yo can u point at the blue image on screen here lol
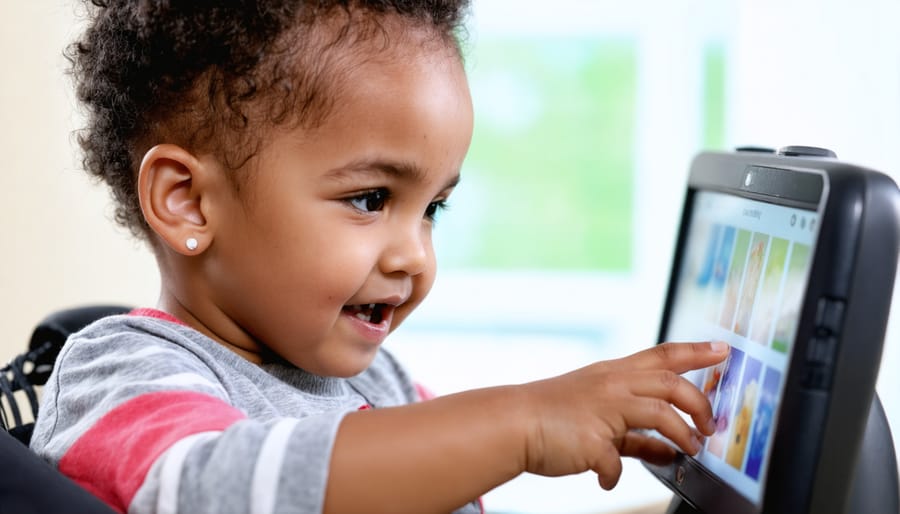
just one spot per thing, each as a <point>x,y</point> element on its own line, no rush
<point>721,269</point>
<point>762,426</point>
<point>709,261</point>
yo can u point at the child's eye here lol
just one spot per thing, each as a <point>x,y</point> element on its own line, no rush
<point>434,208</point>
<point>370,201</point>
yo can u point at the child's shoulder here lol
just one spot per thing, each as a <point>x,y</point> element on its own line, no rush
<point>135,348</point>
<point>114,361</point>
<point>138,338</point>
<point>141,347</point>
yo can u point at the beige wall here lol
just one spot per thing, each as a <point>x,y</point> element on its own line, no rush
<point>58,247</point>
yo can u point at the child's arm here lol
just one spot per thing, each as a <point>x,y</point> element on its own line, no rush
<point>437,455</point>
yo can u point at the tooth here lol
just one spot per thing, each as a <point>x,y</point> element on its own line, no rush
<point>363,316</point>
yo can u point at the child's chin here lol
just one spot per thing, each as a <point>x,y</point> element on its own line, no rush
<point>351,367</point>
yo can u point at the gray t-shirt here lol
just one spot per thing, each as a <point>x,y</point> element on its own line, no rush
<point>153,416</point>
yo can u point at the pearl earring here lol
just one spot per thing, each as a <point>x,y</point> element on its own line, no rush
<point>191,244</point>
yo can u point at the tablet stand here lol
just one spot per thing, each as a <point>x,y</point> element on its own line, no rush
<point>875,487</point>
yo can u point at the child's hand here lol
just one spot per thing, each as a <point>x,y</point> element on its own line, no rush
<point>583,420</point>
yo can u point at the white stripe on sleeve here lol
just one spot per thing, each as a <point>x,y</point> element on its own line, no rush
<point>170,472</point>
<point>184,380</point>
<point>264,489</point>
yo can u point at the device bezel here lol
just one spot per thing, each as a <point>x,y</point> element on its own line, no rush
<point>807,468</point>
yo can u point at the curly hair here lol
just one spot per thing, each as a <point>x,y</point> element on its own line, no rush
<point>210,74</point>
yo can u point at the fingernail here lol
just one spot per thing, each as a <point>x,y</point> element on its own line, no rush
<point>718,346</point>
<point>697,445</point>
<point>711,426</point>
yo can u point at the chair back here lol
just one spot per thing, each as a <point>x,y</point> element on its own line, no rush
<point>22,377</point>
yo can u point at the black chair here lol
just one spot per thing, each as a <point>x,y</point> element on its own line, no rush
<point>30,485</point>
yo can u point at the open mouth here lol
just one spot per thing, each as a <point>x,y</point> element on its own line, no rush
<point>370,313</point>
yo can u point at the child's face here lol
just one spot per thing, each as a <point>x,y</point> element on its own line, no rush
<point>333,220</point>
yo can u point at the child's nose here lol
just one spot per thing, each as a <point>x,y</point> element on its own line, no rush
<point>408,251</point>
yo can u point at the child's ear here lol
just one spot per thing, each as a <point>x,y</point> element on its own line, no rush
<point>171,184</point>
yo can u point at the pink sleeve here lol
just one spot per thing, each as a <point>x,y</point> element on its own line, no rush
<point>423,392</point>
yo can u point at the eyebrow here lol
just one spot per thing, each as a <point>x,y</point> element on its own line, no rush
<point>405,171</point>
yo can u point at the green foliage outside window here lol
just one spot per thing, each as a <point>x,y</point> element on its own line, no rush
<point>548,183</point>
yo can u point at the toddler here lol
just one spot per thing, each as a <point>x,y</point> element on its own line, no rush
<point>285,160</point>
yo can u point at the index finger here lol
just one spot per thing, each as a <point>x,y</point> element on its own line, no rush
<point>678,357</point>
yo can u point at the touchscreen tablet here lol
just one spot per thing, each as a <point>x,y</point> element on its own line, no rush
<point>791,260</point>
<point>741,281</point>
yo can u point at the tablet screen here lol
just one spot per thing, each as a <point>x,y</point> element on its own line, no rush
<point>742,279</point>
